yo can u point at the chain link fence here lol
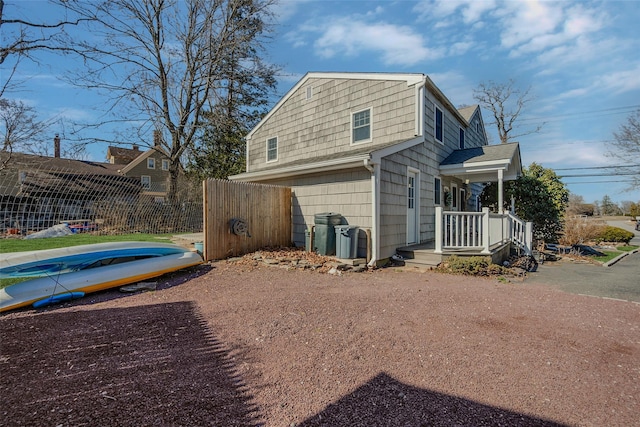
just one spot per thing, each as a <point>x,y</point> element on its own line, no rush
<point>38,197</point>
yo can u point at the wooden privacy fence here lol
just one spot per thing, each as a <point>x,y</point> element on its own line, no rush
<point>243,217</point>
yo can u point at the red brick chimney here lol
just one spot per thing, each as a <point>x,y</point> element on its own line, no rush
<point>56,146</point>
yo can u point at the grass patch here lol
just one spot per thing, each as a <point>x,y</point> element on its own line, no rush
<point>628,248</point>
<point>22,245</point>
<point>608,256</point>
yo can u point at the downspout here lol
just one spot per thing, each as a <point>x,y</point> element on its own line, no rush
<point>374,168</point>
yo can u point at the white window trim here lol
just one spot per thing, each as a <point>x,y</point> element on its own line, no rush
<point>441,192</point>
<point>351,129</point>
<point>435,124</point>
<point>309,92</point>
<point>149,159</point>
<point>461,144</point>
<point>267,150</point>
<point>142,182</point>
<point>165,162</point>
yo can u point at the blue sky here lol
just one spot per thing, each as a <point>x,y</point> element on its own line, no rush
<point>580,59</point>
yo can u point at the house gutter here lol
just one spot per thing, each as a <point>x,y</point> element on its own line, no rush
<point>374,168</point>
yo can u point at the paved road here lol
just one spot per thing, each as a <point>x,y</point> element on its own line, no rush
<point>620,281</point>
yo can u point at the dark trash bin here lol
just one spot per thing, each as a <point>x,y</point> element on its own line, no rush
<point>324,242</point>
<point>346,241</point>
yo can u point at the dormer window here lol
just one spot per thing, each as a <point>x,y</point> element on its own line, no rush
<point>361,126</point>
<point>151,163</point>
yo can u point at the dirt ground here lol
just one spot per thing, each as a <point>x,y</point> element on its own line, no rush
<point>242,345</point>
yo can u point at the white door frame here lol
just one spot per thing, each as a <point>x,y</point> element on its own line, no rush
<point>413,205</point>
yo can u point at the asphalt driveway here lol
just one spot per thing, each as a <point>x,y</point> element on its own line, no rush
<point>620,280</point>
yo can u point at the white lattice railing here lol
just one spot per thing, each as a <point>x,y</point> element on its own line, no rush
<point>480,231</point>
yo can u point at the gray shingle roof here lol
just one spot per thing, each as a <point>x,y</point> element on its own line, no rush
<point>486,153</point>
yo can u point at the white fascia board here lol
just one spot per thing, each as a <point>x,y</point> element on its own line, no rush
<point>438,93</point>
<point>410,78</point>
<point>329,165</point>
<point>376,156</point>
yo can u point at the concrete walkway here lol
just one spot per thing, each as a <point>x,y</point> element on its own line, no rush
<point>619,281</point>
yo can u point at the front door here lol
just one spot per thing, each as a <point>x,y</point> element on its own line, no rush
<point>412,204</point>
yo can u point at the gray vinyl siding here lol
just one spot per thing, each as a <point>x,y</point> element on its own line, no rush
<point>346,192</point>
<point>321,126</point>
<point>473,138</point>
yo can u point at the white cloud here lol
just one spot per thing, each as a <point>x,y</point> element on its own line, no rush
<point>621,81</point>
<point>471,10</point>
<point>397,45</point>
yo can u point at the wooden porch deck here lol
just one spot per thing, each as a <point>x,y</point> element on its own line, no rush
<point>423,254</point>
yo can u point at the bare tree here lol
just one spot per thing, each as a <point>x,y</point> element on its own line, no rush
<point>161,61</point>
<point>23,38</point>
<point>506,102</point>
<point>626,148</point>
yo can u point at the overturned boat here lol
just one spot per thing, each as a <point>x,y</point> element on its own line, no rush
<point>87,268</point>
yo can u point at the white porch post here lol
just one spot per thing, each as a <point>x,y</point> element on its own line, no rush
<point>486,232</point>
<point>438,249</point>
<point>500,191</point>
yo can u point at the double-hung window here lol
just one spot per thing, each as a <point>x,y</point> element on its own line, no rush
<point>361,126</point>
<point>165,164</point>
<point>437,189</point>
<point>272,149</point>
<point>151,163</point>
<point>439,125</point>
<point>145,180</point>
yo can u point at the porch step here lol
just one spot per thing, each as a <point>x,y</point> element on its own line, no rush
<point>419,256</point>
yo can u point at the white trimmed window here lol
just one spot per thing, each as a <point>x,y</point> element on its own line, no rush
<point>361,126</point>
<point>437,191</point>
<point>145,180</point>
<point>151,163</point>
<point>461,139</point>
<point>309,92</point>
<point>272,149</point>
<point>439,120</point>
<point>165,164</point>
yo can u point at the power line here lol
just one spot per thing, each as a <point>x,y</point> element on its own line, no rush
<point>613,110</point>
<point>599,174</point>
<point>596,167</point>
<point>598,182</point>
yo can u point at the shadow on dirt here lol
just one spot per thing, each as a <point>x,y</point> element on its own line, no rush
<point>146,365</point>
<point>384,401</point>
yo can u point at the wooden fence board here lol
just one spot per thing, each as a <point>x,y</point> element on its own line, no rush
<point>266,209</point>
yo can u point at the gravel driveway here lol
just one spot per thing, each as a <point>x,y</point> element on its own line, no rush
<point>237,345</point>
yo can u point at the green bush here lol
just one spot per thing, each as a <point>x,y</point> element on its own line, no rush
<point>615,234</point>
<point>472,266</point>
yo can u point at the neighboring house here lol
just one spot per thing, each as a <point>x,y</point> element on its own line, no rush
<point>383,150</point>
<point>151,167</point>
<point>37,192</point>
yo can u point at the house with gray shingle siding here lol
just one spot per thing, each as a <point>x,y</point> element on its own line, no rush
<point>382,149</point>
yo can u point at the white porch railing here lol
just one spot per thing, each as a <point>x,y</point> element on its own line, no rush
<point>480,231</point>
